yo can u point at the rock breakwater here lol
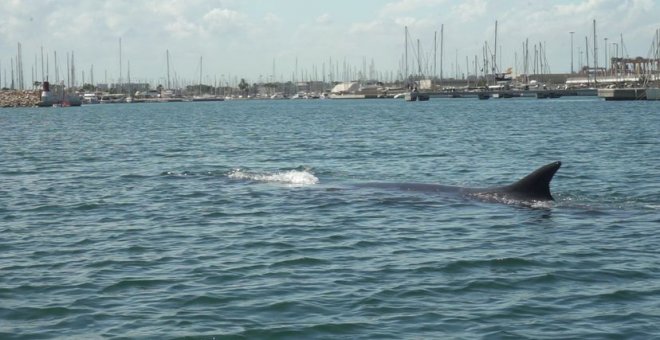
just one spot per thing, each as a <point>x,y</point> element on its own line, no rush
<point>19,98</point>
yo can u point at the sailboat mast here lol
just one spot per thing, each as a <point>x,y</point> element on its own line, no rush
<point>442,40</point>
<point>128,76</point>
<point>435,52</point>
<point>57,69</point>
<point>120,70</point>
<point>456,66</point>
<point>419,61</point>
<point>73,72</point>
<point>167,54</point>
<point>68,79</point>
<point>406,57</point>
<point>586,49</point>
<point>495,53</point>
<point>467,70</point>
<point>524,62</point>
<point>476,73</point>
<point>43,75</point>
<point>595,53</point>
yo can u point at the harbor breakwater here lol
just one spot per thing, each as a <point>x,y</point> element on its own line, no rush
<point>19,98</point>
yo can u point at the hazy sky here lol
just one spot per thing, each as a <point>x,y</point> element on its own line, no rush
<point>250,38</point>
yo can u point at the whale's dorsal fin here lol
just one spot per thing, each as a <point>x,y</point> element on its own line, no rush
<point>535,186</point>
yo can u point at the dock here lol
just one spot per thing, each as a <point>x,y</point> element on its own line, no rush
<point>487,94</point>
<point>639,93</point>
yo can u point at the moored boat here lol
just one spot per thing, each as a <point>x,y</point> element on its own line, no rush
<point>48,98</point>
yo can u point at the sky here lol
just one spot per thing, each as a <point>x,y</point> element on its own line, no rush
<point>265,40</point>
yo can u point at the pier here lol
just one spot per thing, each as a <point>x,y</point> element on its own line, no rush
<point>540,94</point>
<point>651,93</point>
<point>622,94</point>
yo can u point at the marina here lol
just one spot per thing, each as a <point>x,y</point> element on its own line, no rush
<point>32,98</point>
<point>620,78</point>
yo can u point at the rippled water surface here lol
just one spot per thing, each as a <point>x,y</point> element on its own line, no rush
<point>245,219</point>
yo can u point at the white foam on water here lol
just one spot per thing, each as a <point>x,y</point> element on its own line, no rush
<point>292,177</point>
<point>542,204</point>
<point>493,197</point>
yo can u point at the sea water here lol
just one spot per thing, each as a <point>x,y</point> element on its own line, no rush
<point>242,219</point>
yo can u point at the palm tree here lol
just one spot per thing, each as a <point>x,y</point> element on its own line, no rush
<point>243,86</point>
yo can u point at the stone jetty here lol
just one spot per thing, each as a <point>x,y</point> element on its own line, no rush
<point>19,98</point>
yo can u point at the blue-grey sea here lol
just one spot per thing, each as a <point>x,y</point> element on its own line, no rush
<point>245,219</point>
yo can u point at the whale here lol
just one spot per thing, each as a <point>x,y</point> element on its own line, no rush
<point>535,187</point>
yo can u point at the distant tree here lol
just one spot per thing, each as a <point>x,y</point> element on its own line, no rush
<point>88,88</point>
<point>290,88</point>
<point>199,89</point>
<point>243,86</point>
<point>270,87</point>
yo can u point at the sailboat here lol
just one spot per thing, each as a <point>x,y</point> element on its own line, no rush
<point>413,93</point>
<point>506,76</point>
<point>205,97</point>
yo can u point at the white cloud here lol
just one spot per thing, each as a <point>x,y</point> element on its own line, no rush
<point>170,8</point>
<point>323,19</point>
<point>271,19</point>
<point>222,20</point>
<point>470,10</point>
<point>369,27</point>
<point>182,29</point>
<point>408,6</point>
<point>580,8</point>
